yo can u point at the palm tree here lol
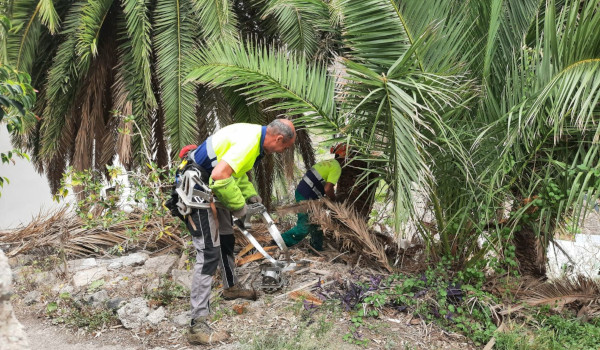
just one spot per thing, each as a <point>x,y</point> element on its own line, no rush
<point>93,61</point>
<point>469,104</point>
<point>513,82</point>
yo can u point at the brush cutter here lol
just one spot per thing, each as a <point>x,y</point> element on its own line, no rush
<point>195,194</point>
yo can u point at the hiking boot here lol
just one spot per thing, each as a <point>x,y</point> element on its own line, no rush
<point>236,292</point>
<point>200,333</point>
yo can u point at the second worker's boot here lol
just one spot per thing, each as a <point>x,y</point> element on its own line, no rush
<point>200,333</point>
<point>236,292</point>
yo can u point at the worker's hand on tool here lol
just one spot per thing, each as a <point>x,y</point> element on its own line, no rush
<point>240,212</point>
<point>254,199</point>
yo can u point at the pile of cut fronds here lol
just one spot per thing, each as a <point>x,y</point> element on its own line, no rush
<point>65,231</point>
<point>351,231</point>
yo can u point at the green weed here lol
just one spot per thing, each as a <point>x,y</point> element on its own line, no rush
<point>166,292</point>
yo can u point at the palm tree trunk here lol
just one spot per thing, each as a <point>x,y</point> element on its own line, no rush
<point>530,253</point>
<point>353,187</point>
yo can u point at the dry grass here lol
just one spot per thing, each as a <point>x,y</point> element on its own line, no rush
<point>63,230</point>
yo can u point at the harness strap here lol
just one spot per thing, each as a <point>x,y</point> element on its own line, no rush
<point>311,184</point>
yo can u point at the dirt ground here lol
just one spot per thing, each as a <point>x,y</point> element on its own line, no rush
<point>274,321</point>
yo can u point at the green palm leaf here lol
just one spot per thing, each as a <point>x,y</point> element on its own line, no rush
<point>63,79</point>
<point>135,69</point>
<point>92,18</point>
<point>300,22</point>
<point>48,16</point>
<point>374,31</point>
<point>217,19</point>
<point>175,50</point>
<point>262,75</point>
<point>25,34</point>
<point>393,117</point>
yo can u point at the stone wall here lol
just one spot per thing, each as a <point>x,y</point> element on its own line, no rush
<point>12,334</point>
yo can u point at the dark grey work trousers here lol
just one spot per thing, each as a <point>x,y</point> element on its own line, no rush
<point>213,249</point>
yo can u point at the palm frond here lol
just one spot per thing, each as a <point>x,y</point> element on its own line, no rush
<point>242,110</point>
<point>445,28</point>
<point>212,112</point>
<point>374,31</point>
<point>48,16</point>
<point>175,51</point>
<point>135,68</point>
<point>300,22</point>
<point>24,35</point>
<point>564,291</point>
<point>217,19</point>
<point>93,16</point>
<point>63,78</point>
<point>393,116</point>
<point>262,75</point>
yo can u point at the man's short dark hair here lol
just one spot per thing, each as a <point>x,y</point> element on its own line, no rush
<point>282,129</point>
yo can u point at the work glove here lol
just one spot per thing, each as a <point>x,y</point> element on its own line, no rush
<point>240,213</point>
<point>254,199</point>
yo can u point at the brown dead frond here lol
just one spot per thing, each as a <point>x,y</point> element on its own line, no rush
<point>349,229</point>
<point>579,290</point>
<point>63,230</point>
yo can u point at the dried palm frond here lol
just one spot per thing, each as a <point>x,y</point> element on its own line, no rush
<point>348,228</point>
<point>63,230</point>
<point>580,290</point>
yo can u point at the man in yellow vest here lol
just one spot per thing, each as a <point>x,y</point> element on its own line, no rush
<point>226,155</point>
<point>319,181</point>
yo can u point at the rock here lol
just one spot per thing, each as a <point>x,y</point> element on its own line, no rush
<point>12,334</point>
<point>160,265</point>
<point>43,278</point>
<point>156,316</point>
<point>140,272</point>
<point>133,314</point>
<point>134,259</point>
<point>20,260</point>
<point>84,277</point>
<point>183,277</point>
<point>115,303</point>
<point>81,264</point>
<point>97,299</point>
<point>183,319</point>
<point>115,264</point>
<point>32,297</point>
<point>22,274</point>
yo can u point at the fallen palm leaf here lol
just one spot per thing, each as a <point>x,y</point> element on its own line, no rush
<point>559,293</point>
<point>349,229</point>
<point>63,230</point>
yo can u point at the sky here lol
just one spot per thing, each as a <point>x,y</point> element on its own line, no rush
<point>28,192</point>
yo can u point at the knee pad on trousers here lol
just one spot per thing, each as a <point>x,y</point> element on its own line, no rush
<point>212,255</point>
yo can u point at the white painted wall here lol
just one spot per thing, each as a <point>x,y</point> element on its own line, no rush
<point>28,192</point>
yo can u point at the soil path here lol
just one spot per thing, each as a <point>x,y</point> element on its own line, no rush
<point>44,336</point>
